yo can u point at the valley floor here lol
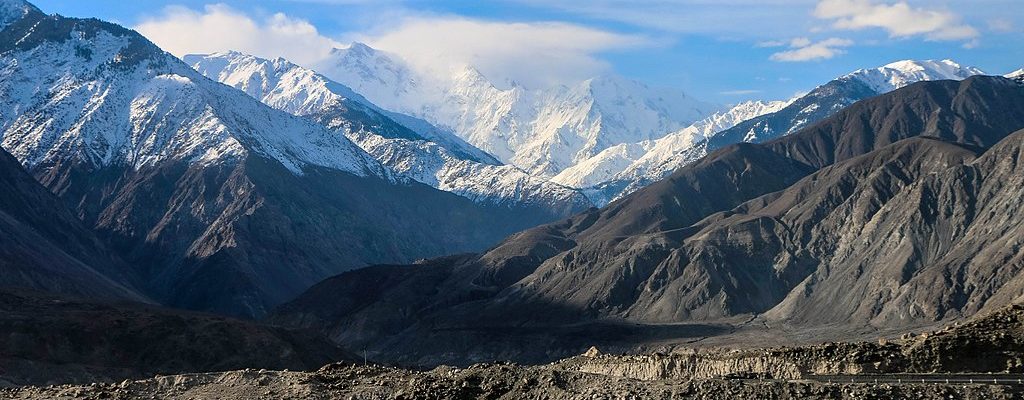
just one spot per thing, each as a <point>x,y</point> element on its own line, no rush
<point>979,359</point>
<point>494,381</point>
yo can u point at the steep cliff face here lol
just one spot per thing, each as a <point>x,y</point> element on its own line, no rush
<point>868,218</point>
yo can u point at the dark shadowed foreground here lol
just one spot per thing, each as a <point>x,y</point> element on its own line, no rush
<point>992,344</point>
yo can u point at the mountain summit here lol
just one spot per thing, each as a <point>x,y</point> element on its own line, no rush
<point>408,146</point>
<point>541,130</point>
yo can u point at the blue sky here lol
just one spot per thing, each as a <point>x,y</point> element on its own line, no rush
<point>719,50</point>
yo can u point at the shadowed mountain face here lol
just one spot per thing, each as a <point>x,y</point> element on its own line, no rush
<point>217,201</point>
<point>873,217</point>
<point>238,239</point>
<point>45,247</point>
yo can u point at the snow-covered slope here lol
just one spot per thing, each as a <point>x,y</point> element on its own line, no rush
<point>902,73</point>
<point>1017,75</point>
<point>109,97</point>
<point>300,91</point>
<point>655,157</point>
<point>752,123</point>
<point>541,130</point>
<point>435,158</point>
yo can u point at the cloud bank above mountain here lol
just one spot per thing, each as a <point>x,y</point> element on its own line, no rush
<point>218,27</point>
<point>530,53</point>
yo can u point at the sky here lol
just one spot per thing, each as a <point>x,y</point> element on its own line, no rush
<point>724,51</point>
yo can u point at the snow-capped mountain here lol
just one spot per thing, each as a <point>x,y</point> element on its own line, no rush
<point>541,130</point>
<point>1017,75</point>
<point>287,87</point>
<point>779,118</point>
<point>655,157</point>
<point>438,159</point>
<point>111,98</point>
<point>840,93</point>
<point>902,73</point>
<point>215,200</point>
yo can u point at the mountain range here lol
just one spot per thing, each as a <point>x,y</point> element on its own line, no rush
<point>540,130</point>
<point>897,212</point>
<point>755,122</point>
<point>416,150</point>
<point>214,200</point>
<point>610,164</point>
<point>227,211</point>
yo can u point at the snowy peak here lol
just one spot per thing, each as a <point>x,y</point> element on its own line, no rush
<point>902,73</point>
<point>616,172</point>
<point>304,92</point>
<point>278,83</point>
<point>380,76</point>
<point>430,158</point>
<point>654,157</point>
<point>100,93</point>
<point>540,130</point>
<point>622,97</point>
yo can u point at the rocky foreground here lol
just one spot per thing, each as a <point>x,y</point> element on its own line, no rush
<point>494,381</point>
<point>992,344</point>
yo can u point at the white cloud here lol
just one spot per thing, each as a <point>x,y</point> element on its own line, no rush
<point>218,27</point>
<point>805,50</point>
<point>800,42</point>
<point>531,53</point>
<point>899,19</point>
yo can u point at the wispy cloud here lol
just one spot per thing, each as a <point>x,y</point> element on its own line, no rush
<point>899,19</point>
<point>805,50</point>
<point>531,53</point>
<point>218,27</point>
